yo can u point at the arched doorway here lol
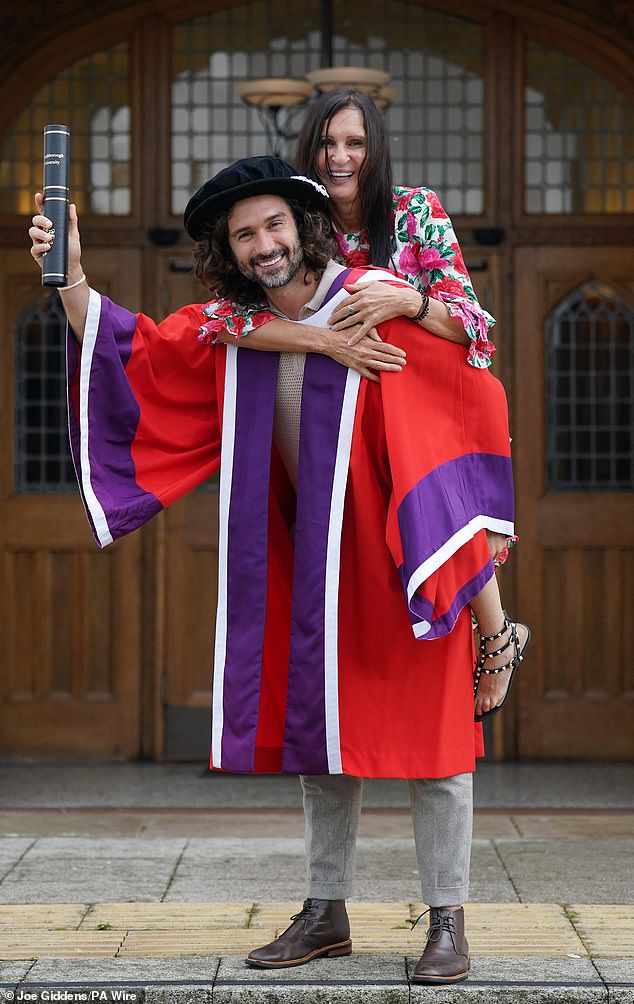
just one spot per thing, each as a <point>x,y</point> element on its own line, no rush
<point>528,148</point>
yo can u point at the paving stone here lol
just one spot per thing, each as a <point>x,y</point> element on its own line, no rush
<point>93,888</point>
<point>615,971</point>
<point>490,880</point>
<point>163,981</point>
<point>12,972</point>
<point>50,944</point>
<point>53,971</point>
<point>619,976</point>
<point>519,981</point>
<point>11,848</point>
<point>64,822</point>
<point>532,825</point>
<point>105,848</point>
<point>607,931</point>
<point>168,916</point>
<point>377,981</point>
<point>565,871</point>
<point>38,916</point>
<point>240,870</point>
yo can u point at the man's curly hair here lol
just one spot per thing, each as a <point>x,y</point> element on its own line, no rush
<point>215,265</point>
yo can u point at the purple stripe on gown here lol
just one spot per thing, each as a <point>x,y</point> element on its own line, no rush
<point>74,435</point>
<point>420,608</point>
<point>305,735</point>
<point>114,411</point>
<point>247,555</point>
<point>438,507</point>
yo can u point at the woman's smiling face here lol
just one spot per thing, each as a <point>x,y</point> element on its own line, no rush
<point>341,154</point>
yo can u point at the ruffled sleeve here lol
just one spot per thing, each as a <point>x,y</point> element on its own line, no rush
<point>225,315</point>
<point>428,249</point>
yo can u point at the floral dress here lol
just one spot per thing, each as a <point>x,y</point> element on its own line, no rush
<point>425,251</point>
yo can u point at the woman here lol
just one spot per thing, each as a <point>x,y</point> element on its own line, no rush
<point>344,145</point>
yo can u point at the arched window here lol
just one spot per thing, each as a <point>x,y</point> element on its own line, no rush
<point>42,456</point>
<point>92,96</point>
<point>589,391</point>
<point>579,138</point>
<point>435,61</point>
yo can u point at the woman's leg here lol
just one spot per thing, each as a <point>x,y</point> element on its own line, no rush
<point>489,613</point>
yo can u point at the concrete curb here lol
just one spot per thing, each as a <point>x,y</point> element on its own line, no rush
<point>370,979</point>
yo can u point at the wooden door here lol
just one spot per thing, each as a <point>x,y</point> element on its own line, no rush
<point>70,614</point>
<point>575,562</point>
<point>187,572</point>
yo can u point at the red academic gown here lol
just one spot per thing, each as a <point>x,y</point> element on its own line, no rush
<point>350,649</point>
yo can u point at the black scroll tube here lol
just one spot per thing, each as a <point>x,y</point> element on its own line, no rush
<point>56,199</point>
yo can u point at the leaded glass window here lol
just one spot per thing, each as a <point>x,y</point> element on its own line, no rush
<point>42,454</point>
<point>435,62</point>
<point>589,390</point>
<point>579,138</point>
<point>92,96</point>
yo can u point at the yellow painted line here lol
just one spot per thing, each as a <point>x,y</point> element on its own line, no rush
<point>608,931</point>
<point>43,944</point>
<point>137,930</point>
<point>45,915</point>
<point>535,930</point>
<point>165,944</point>
<point>159,916</point>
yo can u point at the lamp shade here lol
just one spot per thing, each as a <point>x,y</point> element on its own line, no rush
<point>364,79</point>
<point>274,91</point>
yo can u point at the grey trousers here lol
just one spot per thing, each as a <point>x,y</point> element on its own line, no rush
<point>442,817</point>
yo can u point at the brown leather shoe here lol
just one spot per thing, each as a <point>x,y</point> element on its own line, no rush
<point>321,928</point>
<point>446,955</point>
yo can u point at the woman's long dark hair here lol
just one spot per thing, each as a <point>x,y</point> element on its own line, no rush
<point>375,176</point>
<point>215,265</point>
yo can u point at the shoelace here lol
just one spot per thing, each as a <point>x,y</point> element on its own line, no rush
<point>420,917</point>
<point>441,922</point>
<point>305,911</point>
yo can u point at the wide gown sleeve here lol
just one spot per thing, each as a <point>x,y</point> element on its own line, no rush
<point>451,473</point>
<point>143,414</point>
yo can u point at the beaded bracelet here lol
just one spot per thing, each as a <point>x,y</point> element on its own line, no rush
<point>424,308</point>
<point>63,289</point>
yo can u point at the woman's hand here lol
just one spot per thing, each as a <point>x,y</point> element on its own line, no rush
<point>368,355</point>
<point>371,303</point>
<point>375,302</point>
<point>497,542</point>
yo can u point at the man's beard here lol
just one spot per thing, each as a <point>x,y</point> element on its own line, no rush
<point>282,274</point>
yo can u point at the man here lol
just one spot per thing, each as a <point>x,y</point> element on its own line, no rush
<point>329,577</point>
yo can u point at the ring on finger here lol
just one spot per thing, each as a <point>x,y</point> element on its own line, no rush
<point>351,311</point>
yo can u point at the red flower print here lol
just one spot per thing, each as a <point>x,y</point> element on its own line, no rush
<point>224,308</point>
<point>237,326</point>
<point>356,259</point>
<point>437,211</point>
<point>458,260</point>
<point>261,317</point>
<point>447,285</point>
<point>408,262</point>
<point>342,243</point>
<point>431,258</point>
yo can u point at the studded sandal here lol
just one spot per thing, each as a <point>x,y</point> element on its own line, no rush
<point>481,667</point>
